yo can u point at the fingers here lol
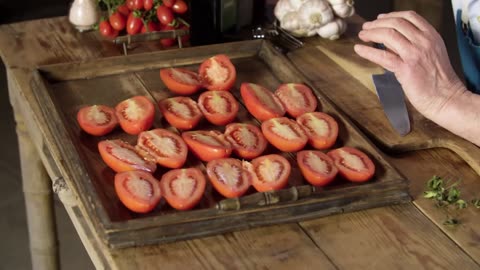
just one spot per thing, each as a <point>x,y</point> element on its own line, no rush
<point>390,37</point>
<point>411,16</point>
<point>404,27</point>
<point>387,60</point>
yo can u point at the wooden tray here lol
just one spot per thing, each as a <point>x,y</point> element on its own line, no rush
<point>63,88</point>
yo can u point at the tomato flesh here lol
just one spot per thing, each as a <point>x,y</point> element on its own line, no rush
<point>181,81</point>
<point>321,129</point>
<point>218,73</point>
<point>260,102</point>
<point>139,191</point>
<point>296,98</point>
<point>353,164</point>
<point>317,167</point>
<point>135,114</point>
<point>247,140</point>
<point>285,134</point>
<point>165,147</point>
<point>181,112</point>
<point>229,177</point>
<point>271,171</point>
<point>121,157</point>
<point>207,145</point>
<point>183,188</point>
<point>97,120</point>
<point>218,107</point>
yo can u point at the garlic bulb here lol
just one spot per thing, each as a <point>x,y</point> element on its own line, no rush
<point>296,4</point>
<point>315,13</point>
<point>333,29</point>
<point>343,10</point>
<point>290,21</point>
<point>338,2</point>
<point>281,8</point>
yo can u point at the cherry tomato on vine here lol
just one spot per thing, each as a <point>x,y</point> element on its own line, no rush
<point>167,42</point>
<point>150,27</point>
<point>124,10</point>
<point>117,21</point>
<point>134,24</point>
<point>148,4</point>
<point>180,7</point>
<point>136,5</point>
<point>164,15</point>
<point>107,30</point>
<point>169,3</point>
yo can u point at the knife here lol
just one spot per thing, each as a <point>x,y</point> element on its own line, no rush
<point>390,94</point>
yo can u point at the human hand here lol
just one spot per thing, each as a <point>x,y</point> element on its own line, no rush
<point>417,56</point>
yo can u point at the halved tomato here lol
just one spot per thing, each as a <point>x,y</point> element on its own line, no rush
<point>139,191</point>
<point>183,188</point>
<point>121,157</point>
<point>353,164</point>
<point>219,107</point>
<point>321,129</point>
<point>165,147</point>
<point>285,134</point>
<point>296,98</point>
<point>247,140</point>
<point>260,102</point>
<point>181,81</point>
<point>135,114</point>
<point>218,73</point>
<point>97,120</point>
<point>181,112</point>
<point>207,145</point>
<point>229,177</point>
<point>271,171</point>
<point>317,168</point>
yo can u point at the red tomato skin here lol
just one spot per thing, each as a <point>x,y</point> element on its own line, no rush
<point>281,142</point>
<point>203,150</point>
<point>122,164</point>
<point>148,4</point>
<point>107,30</point>
<point>296,98</point>
<point>181,122</point>
<point>216,174</point>
<point>117,21</point>
<point>167,42</point>
<point>180,7</point>
<point>135,126</point>
<point>311,172</point>
<point>167,75</point>
<point>173,199</point>
<point>134,24</point>
<point>316,140</point>
<point>219,61</point>
<point>208,103</point>
<point>169,3</point>
<point>150,27</point>
<point>124,10</point>
<point>97,129</point>
<point>253,149</point>
<point>133,201</point>
<point>147,142</point>
<point>185,38</point>
<point>352,174</point>
<point>164,15</point>
<point>137,4</point>
<point>260,102</point>
<point>281,178</point>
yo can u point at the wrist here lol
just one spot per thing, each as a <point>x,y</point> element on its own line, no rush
<point>450,95</point>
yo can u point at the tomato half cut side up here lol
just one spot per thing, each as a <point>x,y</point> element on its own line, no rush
<point>183,188</point>
<point>165,147</point>
<point>296,98</point>
<point>135,114</point>
<point>218,73</point>
<point>181,81</point>
<point>285,134</point>
<point>353,164</point>
<point>247,140</point>
<point>207,145</point>
<point>181,112</point>
<point>260,102</point>
<point>218,107</point>
<point>317,168</point>
<point>139,191</point>
<point>97,120</point>
<point>321,129</point>
<point>271,172</point>
<point>229,177</point>
<point>121,157</point>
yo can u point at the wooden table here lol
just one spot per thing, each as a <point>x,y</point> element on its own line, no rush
<point>408,236</point>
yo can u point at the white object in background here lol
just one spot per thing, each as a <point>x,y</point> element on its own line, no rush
<point>472,8</point>
<point>83,14</point>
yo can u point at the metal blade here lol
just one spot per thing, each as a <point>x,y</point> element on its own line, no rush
<point>391,97</point>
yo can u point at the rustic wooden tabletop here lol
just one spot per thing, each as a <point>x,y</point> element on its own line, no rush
<point>407,236</point>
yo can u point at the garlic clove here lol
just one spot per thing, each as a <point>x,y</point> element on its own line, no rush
<point>343,10</point>
<point>333,30</point>
<point>281,8</point>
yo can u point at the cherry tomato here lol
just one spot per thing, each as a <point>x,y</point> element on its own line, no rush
<point>107,30</point>
<point>148,4</point>
<point>218,73</point>
<point>134,24</point>
<point>169,3</point>
<point>321,129</point>
<point>247,140</point>
<point>317,168</point>
<point>181,81</point>
<point>272,172</point>
<point>183,188</point>
<point>150,27</point>
<point>285,134</point>
<point>167,42</point>
<point>167,148</point>
<point>164,15</point>
<point>219,107</point>
<point>135,114</point>
<point>139,191</point>
<point>185,38</point>
<point>260,102</point>
<point>207,145</point>
<point>296,98</point>
<point>135,5</point>
<point>121,157</point>
<point>117,21</point>
<point>180,7</point>
<point>181,112</point>
<point>130,4</point>
<point>229,177</point>
<point>352,164</point>
<point>97,120</point>
<point>124,10</point>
